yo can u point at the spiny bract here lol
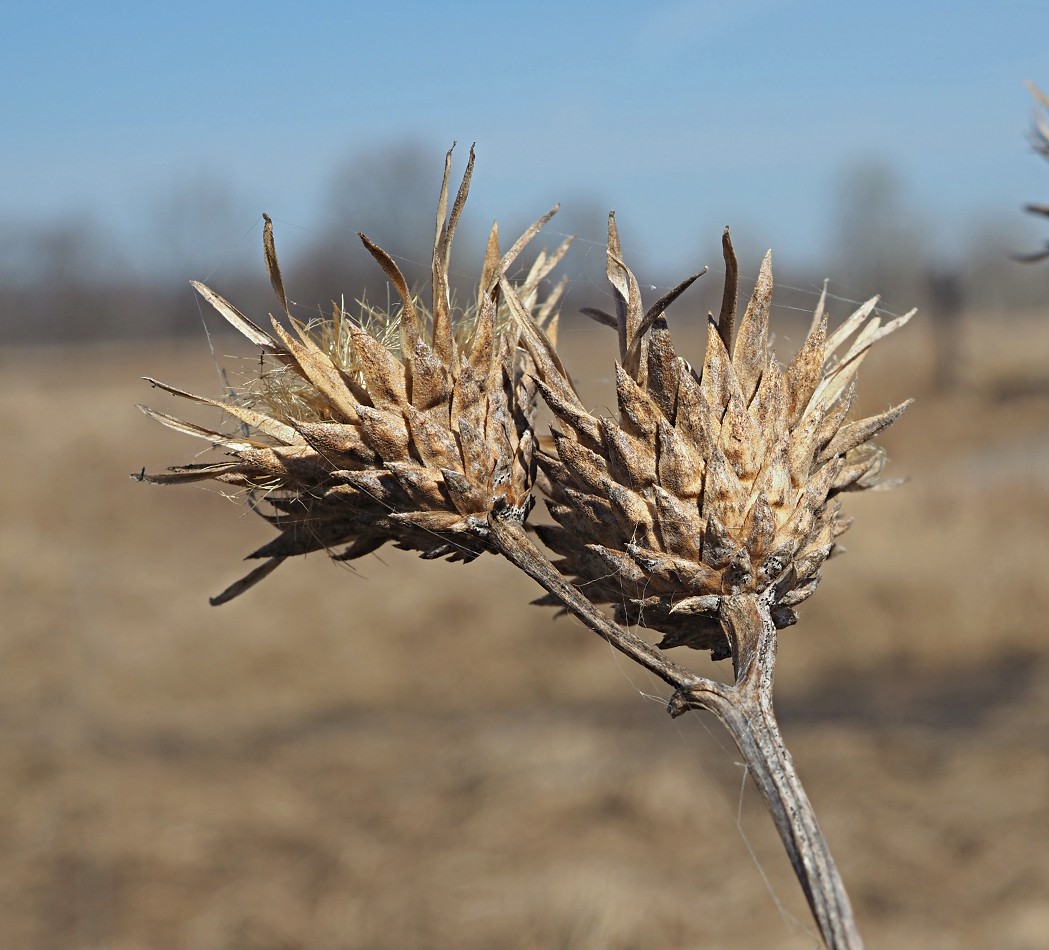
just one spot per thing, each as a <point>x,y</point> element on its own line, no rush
<point>722,481</point>
<point>368,431</point>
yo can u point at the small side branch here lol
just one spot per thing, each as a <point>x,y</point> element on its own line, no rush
<point>511,541</point>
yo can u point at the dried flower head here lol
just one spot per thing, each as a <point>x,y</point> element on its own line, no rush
<point>712,483</point>
<point>407,428</point>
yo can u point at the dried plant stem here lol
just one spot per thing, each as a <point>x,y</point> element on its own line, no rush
<point>744,708</point>
<point>511,541</point>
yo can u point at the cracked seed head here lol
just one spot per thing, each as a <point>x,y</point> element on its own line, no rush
<point>406,428</point>
<point>720,481</point>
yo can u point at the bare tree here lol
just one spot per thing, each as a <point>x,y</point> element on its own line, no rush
<point>378,192</point>
<point>879,240</point>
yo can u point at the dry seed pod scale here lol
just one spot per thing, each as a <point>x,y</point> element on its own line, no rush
<point>707,508</point>
<point>373,430</point>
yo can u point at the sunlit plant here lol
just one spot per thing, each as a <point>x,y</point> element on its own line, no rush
<point>704,510</point>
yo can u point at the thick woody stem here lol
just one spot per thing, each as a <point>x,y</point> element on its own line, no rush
<point>745,709</point>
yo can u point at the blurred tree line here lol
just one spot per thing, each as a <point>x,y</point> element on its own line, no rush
<point>885,242</point>
<point>65,281</point>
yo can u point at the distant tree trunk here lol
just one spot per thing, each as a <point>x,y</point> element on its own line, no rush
<point>946,302</point>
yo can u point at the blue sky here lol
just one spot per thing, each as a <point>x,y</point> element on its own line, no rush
<point>683,116</point>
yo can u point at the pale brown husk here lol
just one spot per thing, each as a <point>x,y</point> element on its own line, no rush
<point>407,428</point>
<point>711,482</point>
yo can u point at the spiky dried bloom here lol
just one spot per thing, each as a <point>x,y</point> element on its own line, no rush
<point>407,428</point>
<point>718,482</point>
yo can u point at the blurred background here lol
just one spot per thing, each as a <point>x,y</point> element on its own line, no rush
<point>406,754</point>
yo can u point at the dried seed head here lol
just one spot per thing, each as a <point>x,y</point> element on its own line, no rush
<point>406,428</point>
<point>719,482</point>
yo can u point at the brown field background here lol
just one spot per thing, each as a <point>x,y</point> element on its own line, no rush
<point>407,755</point>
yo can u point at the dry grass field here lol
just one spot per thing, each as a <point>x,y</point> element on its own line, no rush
<point>406,755</point>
